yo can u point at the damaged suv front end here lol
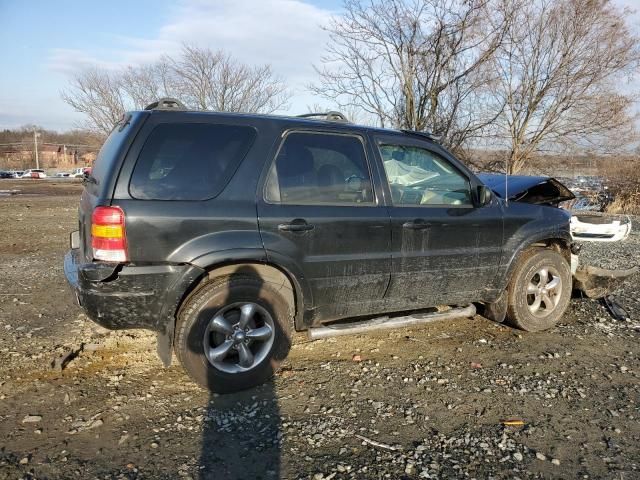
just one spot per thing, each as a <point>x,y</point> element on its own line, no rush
<point>594,282</point>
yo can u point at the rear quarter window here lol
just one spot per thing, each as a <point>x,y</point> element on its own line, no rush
<point>107,155</point>
<point>189,161</point>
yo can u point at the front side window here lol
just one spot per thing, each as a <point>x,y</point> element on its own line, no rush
<point>189,161</point>
<point>319,168</point>
<point>418,176</point>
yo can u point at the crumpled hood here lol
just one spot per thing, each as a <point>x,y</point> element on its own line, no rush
<point>527,189</point>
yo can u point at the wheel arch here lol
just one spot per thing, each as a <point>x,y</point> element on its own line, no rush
<point>560,244</point>
<point>284,280</point>
<point>523,310</point>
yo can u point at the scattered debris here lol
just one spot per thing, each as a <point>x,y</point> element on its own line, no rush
<point>597,282</point>
<point>95,424</point>
<point>82,425</point>
<point>615,309</point>
<point>61,362</point>
<point>32,419</point>
<point>513,422</point>
<point>374,443</point>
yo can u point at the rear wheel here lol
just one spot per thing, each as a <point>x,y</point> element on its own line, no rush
<point>233,333</point>
<point>539,291</point>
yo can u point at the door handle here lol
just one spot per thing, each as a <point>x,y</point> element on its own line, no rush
<point>417,224</point>
<point>297,225</point>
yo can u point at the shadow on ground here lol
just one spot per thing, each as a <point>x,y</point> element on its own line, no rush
<point>242,432</point>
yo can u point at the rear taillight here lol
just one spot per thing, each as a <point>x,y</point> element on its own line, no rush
<point>108,238</point>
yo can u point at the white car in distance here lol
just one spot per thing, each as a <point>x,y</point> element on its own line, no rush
<point>33,173</point>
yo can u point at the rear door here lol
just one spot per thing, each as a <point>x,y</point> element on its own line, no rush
<point>445,249</point>
<point>318,210</point>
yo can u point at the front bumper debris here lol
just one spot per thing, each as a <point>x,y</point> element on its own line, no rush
<point>598,228</point>
<point>597,282</point>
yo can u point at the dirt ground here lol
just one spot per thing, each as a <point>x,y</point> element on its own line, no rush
<point>422,403</point>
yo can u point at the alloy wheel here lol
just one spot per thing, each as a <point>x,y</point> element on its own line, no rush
<point>238,337</point>
<point>544,291</point>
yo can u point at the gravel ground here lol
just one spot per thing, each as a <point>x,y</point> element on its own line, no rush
<point>434,402</point>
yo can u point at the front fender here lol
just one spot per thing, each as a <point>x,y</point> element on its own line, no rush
<point>526,225</point>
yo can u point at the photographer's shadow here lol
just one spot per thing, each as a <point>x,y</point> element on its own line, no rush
<point>242,435</point>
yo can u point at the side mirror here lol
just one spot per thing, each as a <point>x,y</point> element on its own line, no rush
<point>484,195</point>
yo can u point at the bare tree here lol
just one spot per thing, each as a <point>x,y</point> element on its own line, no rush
<point>209,80</point>
<point>97,94</point>
<point>561,75</point>
<point>144,83</point>
<point>192,75</point>
<point>201,78</point>
<point>248,89</point>
<point>417,64</point>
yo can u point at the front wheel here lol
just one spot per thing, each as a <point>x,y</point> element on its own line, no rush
<point>233,333</point>
<point>539,291</point>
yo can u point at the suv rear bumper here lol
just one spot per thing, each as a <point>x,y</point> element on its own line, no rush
<point>123,296</point>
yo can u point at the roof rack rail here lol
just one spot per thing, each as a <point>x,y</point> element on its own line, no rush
<point>330,116</point>
<point>427,135</point>
<point>166,103</point>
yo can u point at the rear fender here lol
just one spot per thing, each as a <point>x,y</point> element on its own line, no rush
<point>214,261</point>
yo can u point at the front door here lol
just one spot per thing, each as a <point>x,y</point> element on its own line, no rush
<point>319,212</point>
<point>445,249</point>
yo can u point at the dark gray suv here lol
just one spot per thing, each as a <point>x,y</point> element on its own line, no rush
<point>224,233</point>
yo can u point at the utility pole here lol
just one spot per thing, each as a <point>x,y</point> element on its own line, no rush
<point>35,146</point>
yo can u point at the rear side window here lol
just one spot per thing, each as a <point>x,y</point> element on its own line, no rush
<point>320,168</point>
<point>189,161</point>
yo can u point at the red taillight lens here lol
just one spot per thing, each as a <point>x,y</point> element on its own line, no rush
<point>108,238</point>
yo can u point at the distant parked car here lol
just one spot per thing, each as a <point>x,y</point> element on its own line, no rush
<point>34,173</point>
<point>62,174</point>
<point>81,172</point>
<point>6,174</point>
<point>16,173</point>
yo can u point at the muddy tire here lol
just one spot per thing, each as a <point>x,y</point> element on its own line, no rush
<point>232,333</point>
<point>539,291</point>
